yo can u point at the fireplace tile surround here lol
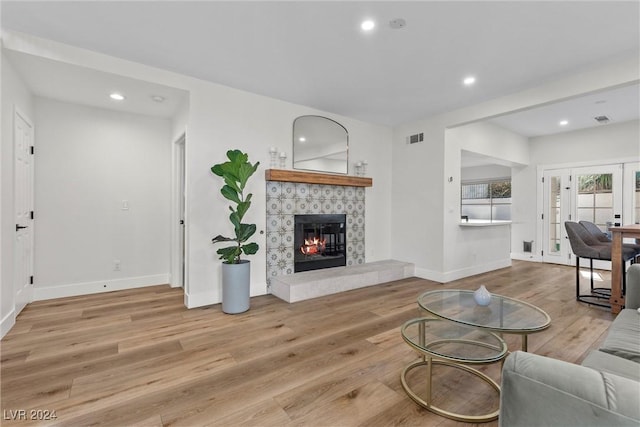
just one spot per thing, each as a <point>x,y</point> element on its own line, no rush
<point>286,199</point>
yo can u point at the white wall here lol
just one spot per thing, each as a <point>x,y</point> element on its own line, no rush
<point>179,120</point>
<point>14,94</point>
<point>473,250</point>
<point>222,118</point>
<point>610,143</point>
<point>417,197</point>
<point>524,212</point>
<point>89,160</point>
<point>473,173</point>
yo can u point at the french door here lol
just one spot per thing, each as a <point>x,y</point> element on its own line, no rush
<point>557,210</point>
<point>592,194</point>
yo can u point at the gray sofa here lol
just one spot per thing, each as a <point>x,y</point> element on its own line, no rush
<point>603,391</point>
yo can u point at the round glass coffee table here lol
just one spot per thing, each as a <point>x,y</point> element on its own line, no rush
<point>503,314</point>
<point>440,342</point>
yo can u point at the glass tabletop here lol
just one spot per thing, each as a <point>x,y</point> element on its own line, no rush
<point>503,314</point>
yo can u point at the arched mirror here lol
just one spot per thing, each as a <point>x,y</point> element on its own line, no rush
<point>320,144</point>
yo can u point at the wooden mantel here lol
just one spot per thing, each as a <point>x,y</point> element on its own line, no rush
<point>316,178</point>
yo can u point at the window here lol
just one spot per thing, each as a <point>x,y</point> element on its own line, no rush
<point>487,200</point>
<point>595,198</point>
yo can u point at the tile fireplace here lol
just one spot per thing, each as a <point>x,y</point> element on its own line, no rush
<point>285,200</point>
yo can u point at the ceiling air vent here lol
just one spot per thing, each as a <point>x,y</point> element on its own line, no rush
<point>418,137</point>
<point>602,119</point>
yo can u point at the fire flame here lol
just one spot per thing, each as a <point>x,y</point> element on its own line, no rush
<point>312,246</point>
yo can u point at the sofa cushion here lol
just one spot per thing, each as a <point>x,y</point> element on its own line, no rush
<point>623,339</point>
<point>606,362</point>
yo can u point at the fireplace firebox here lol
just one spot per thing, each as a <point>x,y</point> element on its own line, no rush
<point>319,241</point>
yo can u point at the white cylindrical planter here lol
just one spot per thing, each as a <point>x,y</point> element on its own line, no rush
<point>236,285</point>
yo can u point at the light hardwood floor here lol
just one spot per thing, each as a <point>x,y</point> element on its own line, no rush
<point>138,357</point>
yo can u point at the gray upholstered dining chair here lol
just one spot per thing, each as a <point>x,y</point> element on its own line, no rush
<point>602,237</point>
<point>585,245</point>
<point>595,231</point>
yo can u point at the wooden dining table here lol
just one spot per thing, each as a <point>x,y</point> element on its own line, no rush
<point>617,268</point>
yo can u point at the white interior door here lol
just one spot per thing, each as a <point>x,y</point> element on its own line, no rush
<point>23,202</point>
<point>556,210</point>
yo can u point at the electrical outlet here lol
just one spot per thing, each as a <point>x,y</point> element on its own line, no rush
<point>116,265</point>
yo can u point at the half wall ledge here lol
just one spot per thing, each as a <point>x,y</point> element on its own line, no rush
<point>316,178</point>
<point>318,283</point>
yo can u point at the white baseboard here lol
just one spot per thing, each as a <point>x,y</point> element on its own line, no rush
<point>526,256</point>
<point>7,323</point>
<point>434,276</point>
<point>201,299</point>
<point>86,288</point>
<point>449,276</point>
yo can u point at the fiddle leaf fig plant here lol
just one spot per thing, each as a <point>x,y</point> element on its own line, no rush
<point>236,172</point>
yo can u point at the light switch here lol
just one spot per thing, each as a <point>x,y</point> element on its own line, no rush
<point>125,205</point>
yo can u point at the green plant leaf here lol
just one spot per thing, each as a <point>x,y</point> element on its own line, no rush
<point>230,194</point>
<point>235,220</point>
<point>245,232</point>
<point>218,170</point>
<point>242,208</point>
<point>237,156</point>
<point>250,248</point>
<point>232,183</point>
<point>245,171</point>
<point>220,238</point>
<point>231,254</point>
<point>226,170</point>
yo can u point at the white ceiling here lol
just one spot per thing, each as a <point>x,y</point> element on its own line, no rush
<point>313,52</point>
<point>619,105</point>
<point>78,85</point>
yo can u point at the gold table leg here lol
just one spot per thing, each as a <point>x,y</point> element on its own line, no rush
<point>426,403</point>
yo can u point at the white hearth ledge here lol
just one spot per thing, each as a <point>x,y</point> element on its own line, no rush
<point>327,281</point>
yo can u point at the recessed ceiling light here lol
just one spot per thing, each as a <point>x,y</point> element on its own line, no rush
<point>116,96</point>
<point>158,98</point>
<point>367,25</point>
<point>468,81</point>
<point>563,122</point>
<point>302,139</point>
